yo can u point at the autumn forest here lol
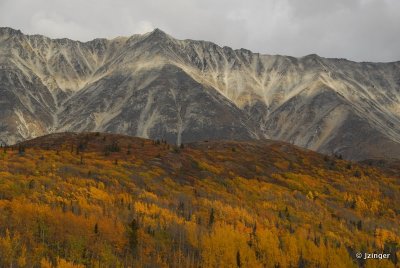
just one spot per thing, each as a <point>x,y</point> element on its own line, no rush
<point>105,200</point>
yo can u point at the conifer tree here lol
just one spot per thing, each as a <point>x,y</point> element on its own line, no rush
<point>212,218</point>
<point>238,261</point>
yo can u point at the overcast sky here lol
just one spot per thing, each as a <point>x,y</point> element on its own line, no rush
<point>361,30</point>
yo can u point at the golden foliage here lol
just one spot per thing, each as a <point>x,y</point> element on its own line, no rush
<point>255,206</point>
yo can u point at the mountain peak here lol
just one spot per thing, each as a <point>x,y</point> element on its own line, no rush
<point>9,31</point>
<point>158,34</point>
<point>312,56</point>
<point>158,31</point>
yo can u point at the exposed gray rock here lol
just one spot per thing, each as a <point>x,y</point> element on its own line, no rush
<point>155,86</point>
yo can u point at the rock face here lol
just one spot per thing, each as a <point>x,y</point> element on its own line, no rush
<point>155,86</point>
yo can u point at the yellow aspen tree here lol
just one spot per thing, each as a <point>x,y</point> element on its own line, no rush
<point>6,250</point>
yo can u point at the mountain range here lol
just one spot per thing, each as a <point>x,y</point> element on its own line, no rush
<point>155,86</point>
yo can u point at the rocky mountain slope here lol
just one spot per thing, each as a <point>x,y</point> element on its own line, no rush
<point>155,86</point>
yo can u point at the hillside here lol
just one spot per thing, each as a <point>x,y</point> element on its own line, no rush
<point>158,87</point>
<point>105,200</point>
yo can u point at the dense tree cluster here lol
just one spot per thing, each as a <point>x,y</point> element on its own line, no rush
<point>208,206</point>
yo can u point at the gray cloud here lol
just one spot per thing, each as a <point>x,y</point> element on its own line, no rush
<point>361,30</point>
